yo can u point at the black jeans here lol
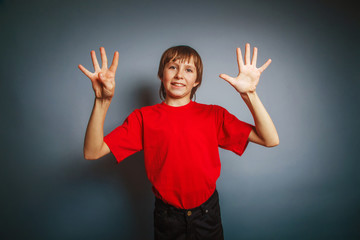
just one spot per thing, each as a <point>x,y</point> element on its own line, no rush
<point>203,222</point>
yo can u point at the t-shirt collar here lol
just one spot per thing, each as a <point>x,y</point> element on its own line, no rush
<point>179,107</point>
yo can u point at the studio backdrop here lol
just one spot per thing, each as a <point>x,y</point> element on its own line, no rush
<point>305,188</point>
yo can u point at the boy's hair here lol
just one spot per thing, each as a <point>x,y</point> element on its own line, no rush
<point>184,53</point>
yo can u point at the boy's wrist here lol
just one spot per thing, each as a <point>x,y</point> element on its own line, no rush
<point>103,102</point>
<point>248,94</point>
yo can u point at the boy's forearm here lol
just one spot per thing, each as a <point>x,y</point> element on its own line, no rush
<point>95,130</point>
<point>265,127</point>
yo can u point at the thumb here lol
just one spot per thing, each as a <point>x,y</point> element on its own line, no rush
<point>227,78</point>
<point>101,77</point>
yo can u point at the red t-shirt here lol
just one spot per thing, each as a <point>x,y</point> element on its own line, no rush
<point>181,147</point>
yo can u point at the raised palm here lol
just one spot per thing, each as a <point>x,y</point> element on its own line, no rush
<point>249,75</point>
<point>103,79</point>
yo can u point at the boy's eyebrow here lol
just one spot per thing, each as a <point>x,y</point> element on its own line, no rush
<point>187,65</point>
<point>192,66</point>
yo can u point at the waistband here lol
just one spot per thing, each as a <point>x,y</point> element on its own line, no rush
<point>208,204</point>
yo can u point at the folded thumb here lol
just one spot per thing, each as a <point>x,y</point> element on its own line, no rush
<point>101,76</point>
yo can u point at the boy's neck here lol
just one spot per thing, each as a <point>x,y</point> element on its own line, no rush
<point>177,102</point>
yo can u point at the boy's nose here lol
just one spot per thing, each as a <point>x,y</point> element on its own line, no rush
<point>179,74</point>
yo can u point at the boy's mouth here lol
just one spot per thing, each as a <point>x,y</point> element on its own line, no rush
<point>178,84</point>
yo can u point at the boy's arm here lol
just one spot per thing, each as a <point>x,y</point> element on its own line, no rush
<point>103,83</point>
<point>94,145</point>
<point>265,132</point>
<point>245,83</point>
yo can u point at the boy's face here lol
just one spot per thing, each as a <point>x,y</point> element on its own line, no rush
<point>179,79</point>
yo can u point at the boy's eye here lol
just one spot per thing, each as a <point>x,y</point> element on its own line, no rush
<point>189,70</point>
<point>172,67</point>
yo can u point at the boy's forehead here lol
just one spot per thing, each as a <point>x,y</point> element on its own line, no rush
<point>189,61</point>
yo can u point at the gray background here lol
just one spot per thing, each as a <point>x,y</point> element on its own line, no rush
<point>305,188</point>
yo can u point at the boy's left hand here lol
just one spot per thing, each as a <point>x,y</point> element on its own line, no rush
<point>249,75</point>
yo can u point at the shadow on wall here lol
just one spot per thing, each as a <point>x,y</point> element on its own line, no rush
<point>131,203</point>
<point>97,199</point>
<point>131,174</point>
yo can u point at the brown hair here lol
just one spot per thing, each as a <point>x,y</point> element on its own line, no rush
<point>184,53</point>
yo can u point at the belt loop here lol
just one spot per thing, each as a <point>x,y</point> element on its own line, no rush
<point>203,210</point>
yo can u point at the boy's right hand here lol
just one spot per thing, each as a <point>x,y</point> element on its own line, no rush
<point>103,79</point>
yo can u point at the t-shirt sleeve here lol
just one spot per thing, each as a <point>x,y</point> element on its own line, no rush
<point>126,139</point>
<point>233,133</point>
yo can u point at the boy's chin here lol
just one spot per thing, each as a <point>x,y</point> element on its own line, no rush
<point>178,97</point>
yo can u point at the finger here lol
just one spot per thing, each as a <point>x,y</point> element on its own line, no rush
<point>263,67</point>
<point>239,59</point>
<point>227,78</point>
<point>94,61</point>
<point>85,71</point>
<point>247,53</point>
<point>254,58</point>
<point>103,57</point>
<point>115,62</point>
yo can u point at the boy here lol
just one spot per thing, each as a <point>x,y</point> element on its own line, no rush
<point>180,138</point>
